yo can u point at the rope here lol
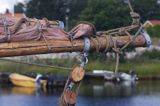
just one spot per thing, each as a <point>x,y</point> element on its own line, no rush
<point>6,29</point>
<point>117,52</point>
<point>139,30</point>
<point>40,30</point>
<point>49,23</point>
<point>99,44</point>
<point>116,31</point>
<point>126,45</point>
<point>107,44</point>
<point>35,64</point>
<point>17,26</point>
<point>131,38</point>
<point>117,62</point>
<point>96,45</point>
<point>130,6</point>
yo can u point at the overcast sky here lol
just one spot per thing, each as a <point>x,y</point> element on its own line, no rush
<point>4,4</point>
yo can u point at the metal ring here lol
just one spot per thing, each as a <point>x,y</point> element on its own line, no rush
<point>87,44</point>
<point>86,60</point>
<point>148,40</point>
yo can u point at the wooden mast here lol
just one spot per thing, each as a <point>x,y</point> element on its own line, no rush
<point>59,46</point>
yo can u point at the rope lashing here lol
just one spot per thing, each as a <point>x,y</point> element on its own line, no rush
<point>125,30</point>
<point>116,31</point>
<point>6,30</point>
<point>18,25</point>
<point>40,30</point>
<point>70,37</point>
<point>135,16</point>
<point>99,43</point>
<point>136,21</point>
<point>107,43</point>
<point>96,45</point>
<point>130,40</point>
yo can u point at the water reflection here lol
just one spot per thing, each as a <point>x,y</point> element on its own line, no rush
<point>15,90</point>
<point>148,88</point>
<point>143,93</point>
<point>108,89</point>
<point>23,90</point>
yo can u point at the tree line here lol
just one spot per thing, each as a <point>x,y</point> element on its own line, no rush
<point>104,14</point>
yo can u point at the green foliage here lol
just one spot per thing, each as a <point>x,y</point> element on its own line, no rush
<point>147,9</point>
<point>76,6</point>
<point>19,8</point>
<point>154,31</point>
<point>52,9</point>
<point>55,9</point>
<point>145,65</point>
<point>106,14</point>
<point>152,55</point>
<point>7,11</point>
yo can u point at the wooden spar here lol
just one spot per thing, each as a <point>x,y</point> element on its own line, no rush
<point>59,46</point>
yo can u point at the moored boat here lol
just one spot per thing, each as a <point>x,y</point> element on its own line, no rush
<point>26,81</point>
<point>111,76</point>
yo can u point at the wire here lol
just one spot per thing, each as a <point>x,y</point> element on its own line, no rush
<point>35,64</point>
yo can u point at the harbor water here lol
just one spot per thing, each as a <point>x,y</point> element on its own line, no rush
<point>141,93</point>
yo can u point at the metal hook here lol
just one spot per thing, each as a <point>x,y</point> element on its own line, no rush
<point>83,60</point>
<point>86,60</point>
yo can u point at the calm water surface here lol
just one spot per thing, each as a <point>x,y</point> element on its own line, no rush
<point>143,93</point>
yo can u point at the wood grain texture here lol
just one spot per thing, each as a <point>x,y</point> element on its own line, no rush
<point>60,46</point>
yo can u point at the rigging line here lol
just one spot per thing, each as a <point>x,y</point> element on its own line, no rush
<point>130,6</point>
<point>35,64</point>
<point>116,50</point>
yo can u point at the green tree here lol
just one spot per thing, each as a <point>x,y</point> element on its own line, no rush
<point>55,9</point>
<point>106,14</point>
<point>7,11</point>
<point>154,31</point>
<point>19,8</point>
<point>76,7</point>
<point>52,9</point>
<point>149,9</point>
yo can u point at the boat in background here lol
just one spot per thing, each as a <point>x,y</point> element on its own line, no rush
<point>26,81</point>
<point>111,76</point>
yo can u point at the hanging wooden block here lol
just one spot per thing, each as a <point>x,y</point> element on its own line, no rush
<point>77,74</point>
<point>69,97</point>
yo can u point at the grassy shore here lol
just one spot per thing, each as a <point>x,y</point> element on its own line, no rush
<point>143,67</point>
